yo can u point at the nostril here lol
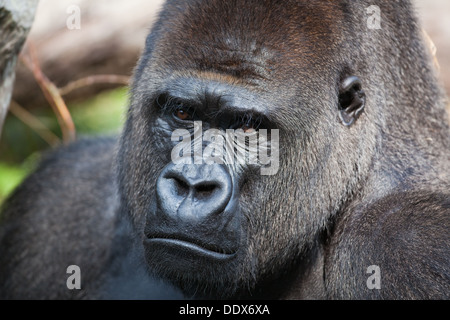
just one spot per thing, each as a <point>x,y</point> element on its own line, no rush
<point>205,187</point>
<point>205,190</point>
<point>181,187</point>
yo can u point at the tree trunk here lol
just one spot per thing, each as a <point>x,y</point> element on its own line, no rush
<point>16,18</point>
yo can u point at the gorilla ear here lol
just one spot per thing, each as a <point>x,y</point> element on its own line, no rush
<point>352,100</point>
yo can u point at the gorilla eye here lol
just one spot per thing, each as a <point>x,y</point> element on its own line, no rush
<point>250,123</point>
<point>247,128</point>
<point>182,114</point>
<point>173,106</point>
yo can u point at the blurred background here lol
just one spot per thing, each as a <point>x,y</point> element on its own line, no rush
<point>92,64</point>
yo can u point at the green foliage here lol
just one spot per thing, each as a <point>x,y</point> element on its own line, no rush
<point>10,177</point>
<point>103,114</point>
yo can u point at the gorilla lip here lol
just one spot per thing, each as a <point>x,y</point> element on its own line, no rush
<point>191,247</point>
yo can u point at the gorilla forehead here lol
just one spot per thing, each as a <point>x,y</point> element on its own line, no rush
<point>252,40</point>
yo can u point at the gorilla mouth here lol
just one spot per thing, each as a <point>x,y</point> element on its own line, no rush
<point>192,247</point>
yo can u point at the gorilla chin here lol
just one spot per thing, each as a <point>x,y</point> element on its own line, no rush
<point>197,268</point>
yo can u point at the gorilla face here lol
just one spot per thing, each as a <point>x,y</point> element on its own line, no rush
<point>220,229</point>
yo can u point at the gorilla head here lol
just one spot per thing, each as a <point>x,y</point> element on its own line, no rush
<point>310,71</point>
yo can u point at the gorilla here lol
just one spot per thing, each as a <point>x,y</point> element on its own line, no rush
<point>347,197</point>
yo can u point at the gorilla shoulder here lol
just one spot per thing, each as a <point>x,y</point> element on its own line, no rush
<point>405,242</point>
<point>76,173</point>
<point>69,198</point>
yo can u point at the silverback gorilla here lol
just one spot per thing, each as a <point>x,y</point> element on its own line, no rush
<point>357,208</point>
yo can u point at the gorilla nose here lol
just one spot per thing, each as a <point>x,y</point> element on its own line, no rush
<point>190,192</point>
